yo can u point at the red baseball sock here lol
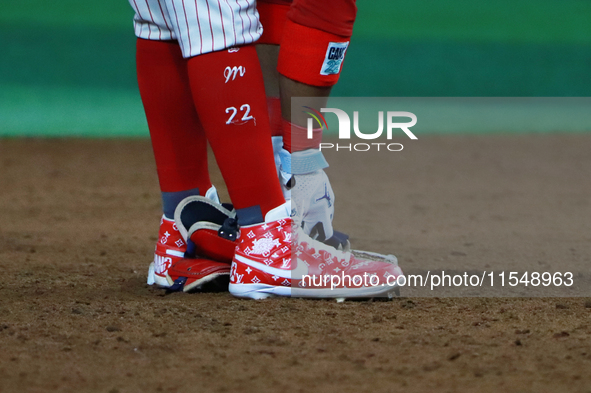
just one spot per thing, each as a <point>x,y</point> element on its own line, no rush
<point>229,95</point>
<point>178,140</point>
<point>274,107</point>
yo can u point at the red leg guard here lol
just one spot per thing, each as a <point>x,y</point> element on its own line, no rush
<point>311,56</point>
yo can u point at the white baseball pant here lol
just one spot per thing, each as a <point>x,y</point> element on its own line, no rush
<point>200,26</point>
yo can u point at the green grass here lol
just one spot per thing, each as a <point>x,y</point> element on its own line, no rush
<point>67,66</point>
<point>380,67</point>
<point>69,111</point>
<point>507,21</point>
<point>43,14</point>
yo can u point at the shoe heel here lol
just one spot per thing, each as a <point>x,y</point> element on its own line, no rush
<point>151,278</point>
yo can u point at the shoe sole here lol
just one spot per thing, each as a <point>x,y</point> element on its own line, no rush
<point>264,291</point>
<point>213,283</point>
<point>217,282</point>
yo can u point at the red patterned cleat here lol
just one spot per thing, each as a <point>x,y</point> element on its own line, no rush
<point>276,258</point>
<point>188,255</point>
<point>199,274</point>
<point>171,270</point>
<point>170,249</point>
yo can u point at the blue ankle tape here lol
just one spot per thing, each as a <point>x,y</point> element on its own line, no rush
<point>302,162</point>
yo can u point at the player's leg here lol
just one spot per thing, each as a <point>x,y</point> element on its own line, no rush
<point>178,140</point>
<point>268,54</point>
<point>273,14</point>
<point>307,68</point>
<point>315,38</point>
<point>266,232</point>
<point>228,93</point>
<point>273,256</point>
<point>305,29</point>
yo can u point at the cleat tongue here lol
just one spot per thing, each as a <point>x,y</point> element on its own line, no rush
<point>280,212</point>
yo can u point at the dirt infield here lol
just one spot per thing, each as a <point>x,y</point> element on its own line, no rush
<point>78,223</point>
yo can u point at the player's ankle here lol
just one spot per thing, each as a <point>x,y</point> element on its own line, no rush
<point>254,215</point>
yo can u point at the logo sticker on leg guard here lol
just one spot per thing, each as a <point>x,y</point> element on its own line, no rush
<point>335,54</point>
